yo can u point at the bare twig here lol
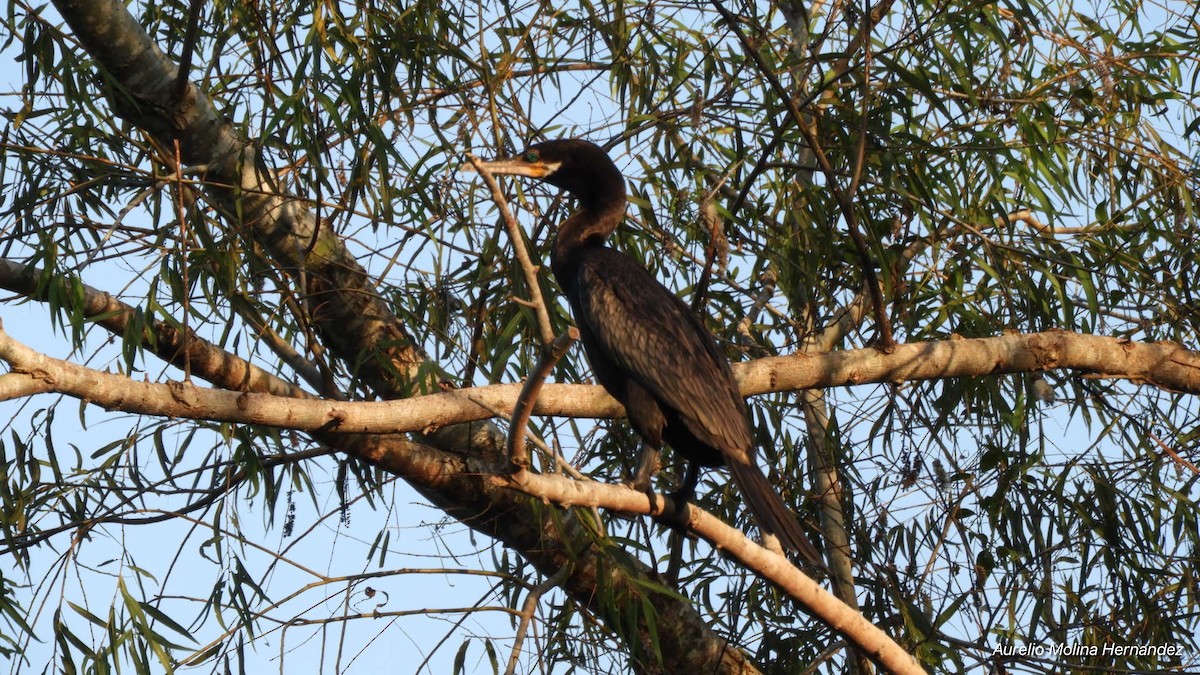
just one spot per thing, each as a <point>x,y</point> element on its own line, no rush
<point>1026,216</point>
<point>181,217</point>
<point>716,253</point>
<point>518,458</point>
<point>520,250</point>
<point>189,47</point>
<point>562,465</point>
<point>769,280</point>
<point>1175,456</point>
<point>527,610</point>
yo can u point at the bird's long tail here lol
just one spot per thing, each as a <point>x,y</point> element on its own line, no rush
<point>772,513</point>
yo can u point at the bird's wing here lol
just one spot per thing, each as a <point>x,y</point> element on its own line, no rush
<point>648,332</point>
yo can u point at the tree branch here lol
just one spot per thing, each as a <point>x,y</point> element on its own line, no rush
<point>731,542</point>
<point>1162,364</point>
<point>180,348</point>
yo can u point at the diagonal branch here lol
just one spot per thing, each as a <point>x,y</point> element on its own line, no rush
<point>768,564</point>
<point>352,317</point>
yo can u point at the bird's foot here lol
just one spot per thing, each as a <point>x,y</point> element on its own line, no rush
<point>647,467</point>
<point>677,519</point>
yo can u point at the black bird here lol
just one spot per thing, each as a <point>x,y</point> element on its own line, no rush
<point>646,347</point>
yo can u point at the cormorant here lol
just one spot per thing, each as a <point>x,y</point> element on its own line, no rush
<point>646,347</point>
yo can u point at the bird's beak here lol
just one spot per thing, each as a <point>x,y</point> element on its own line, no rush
<point>512,166</point>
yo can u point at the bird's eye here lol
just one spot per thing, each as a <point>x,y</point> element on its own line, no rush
<point>531,156</point>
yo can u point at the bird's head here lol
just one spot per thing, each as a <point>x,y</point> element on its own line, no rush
<point>577,166</point>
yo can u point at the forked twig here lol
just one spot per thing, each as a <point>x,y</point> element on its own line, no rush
<point>527,610</point>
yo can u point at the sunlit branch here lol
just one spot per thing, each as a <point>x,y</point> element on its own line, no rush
<point>731,542</point>
<point>1162,364</point>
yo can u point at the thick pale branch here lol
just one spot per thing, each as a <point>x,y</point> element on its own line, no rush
<point>1166,365</point>
<point>1163,364</point>
<point>731,541</point>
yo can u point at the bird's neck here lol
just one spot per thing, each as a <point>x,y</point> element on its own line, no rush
<point>589,226</point>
